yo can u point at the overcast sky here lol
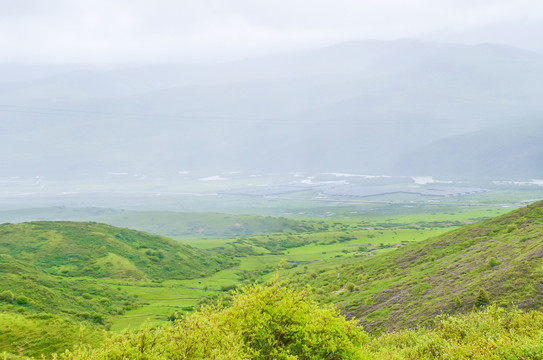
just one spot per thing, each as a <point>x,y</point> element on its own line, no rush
<point>105,31</point>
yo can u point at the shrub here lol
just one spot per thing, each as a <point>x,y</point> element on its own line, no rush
<point>228,287</point>
<point>493,262</point>
<point>492,333</point>
<point>264,322</point>
<point>21,300</point>
<point>457,302</point>
<point>7,296</point>
<point>482,298</point>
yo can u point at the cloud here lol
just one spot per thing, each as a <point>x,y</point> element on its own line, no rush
<point>165,30</point>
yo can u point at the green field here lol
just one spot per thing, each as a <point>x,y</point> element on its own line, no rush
<point>363,236</point>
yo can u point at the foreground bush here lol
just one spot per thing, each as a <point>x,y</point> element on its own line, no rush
<point>263,322</point>
<point>492,333</point>
<point>274,322</point>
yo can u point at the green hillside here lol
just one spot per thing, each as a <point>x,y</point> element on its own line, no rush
<point>56,275</point>
<point>34,335</point>
<point>206,224</point>
<point>409,286</point>
<point>71,249</point>
<point>27,290</point>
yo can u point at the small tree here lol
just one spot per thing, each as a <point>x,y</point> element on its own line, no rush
<point>482,298</point>
<point>457,302</point>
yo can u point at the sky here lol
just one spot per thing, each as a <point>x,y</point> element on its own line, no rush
<point>113,31</point>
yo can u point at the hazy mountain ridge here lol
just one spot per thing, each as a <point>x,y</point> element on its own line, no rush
<point>331,109</point>
<point>513,152</point>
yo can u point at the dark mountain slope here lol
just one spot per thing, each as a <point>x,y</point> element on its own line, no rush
<point>505,153</point>
<point>409,286</point>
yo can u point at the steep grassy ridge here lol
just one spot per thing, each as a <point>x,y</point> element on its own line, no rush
<point>409,286</point>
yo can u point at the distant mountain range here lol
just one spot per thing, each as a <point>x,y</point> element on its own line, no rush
<point>357,106</point>
<point>508,152</point>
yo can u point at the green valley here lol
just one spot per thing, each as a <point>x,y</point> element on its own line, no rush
<point>389,269</point>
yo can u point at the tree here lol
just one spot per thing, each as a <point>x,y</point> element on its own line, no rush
<point>457,302</point>
<point>482,298</point>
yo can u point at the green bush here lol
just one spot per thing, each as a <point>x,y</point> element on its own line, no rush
<point>493,262</point>
<point>490,334</point>
<point>263,322</point>
<point>7,296</point>
<point>228,287</point>
<point>21,300</point>
<point>457,302</point>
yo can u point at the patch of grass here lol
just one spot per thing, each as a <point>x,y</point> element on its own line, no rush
<point>36,335</point>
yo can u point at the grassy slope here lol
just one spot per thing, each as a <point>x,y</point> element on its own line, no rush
<point>43,334</point>
<point>73,272</point>
<point>80,298</point>
<point>64,291</point>
<point>98,250</point>
<point>408,286</point>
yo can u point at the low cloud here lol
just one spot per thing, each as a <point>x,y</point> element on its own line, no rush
<point>101,31</point>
